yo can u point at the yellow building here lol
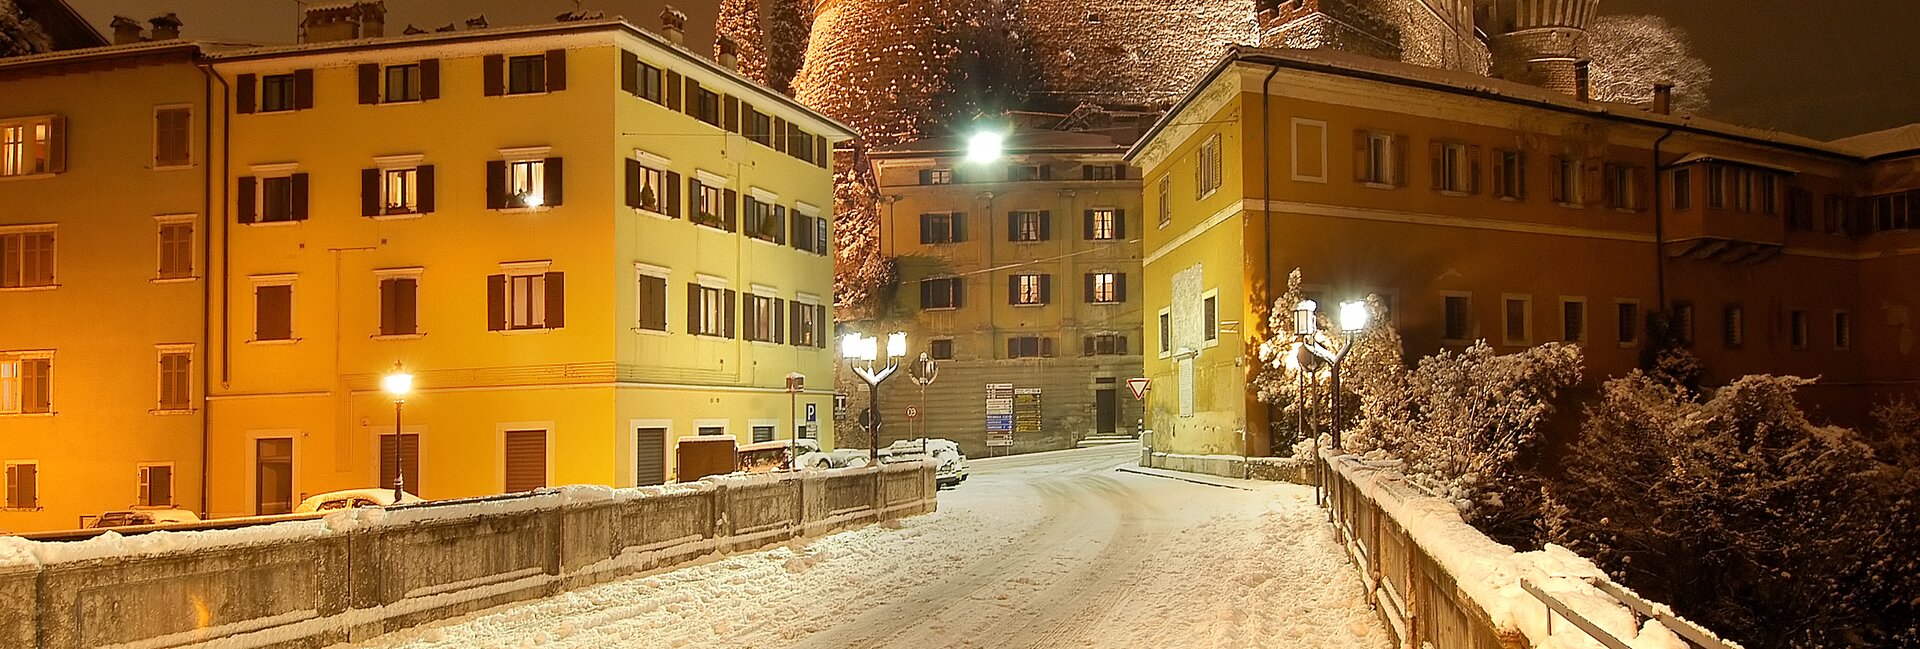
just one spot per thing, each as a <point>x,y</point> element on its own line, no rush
<point>583,240</point>
<point>103,210</point>
<point>1486,209</point>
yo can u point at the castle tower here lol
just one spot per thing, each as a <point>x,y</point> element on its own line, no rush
<point>876,65</point>
<point>1539,42</point>
<point>1433,33</point>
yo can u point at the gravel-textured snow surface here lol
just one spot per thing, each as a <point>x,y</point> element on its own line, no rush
<point>1051,550</point>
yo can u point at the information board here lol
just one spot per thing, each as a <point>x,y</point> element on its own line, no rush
<point>999,414</point>
<point>1026,411</point>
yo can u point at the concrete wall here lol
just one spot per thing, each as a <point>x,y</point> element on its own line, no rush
<point>1276,469</point>
<point>358,574</point>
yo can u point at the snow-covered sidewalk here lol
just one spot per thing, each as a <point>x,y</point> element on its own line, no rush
<point>1065,553</point>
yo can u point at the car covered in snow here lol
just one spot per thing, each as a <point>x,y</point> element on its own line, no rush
<point>951,465</point>
<point>132,517</point>
<point>354,498</point>
<point>762,457</point>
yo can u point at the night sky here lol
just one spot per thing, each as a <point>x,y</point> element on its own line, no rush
<point>1823,69</point>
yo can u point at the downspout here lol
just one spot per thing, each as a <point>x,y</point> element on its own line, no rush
<point>1659,226</point>
<point>1266,212</point>
<point>208,76</point>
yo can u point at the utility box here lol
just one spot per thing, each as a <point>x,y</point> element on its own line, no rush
<point>700,456</point>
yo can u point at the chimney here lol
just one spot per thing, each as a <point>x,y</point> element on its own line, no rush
<point>373,19</point>
<point>727,52</point>
<point>1663,98</point>
<point>1583,80</point>
<point>165,28</point>
<point>341,22</point>
<point>126,30</point>
<point>673,25</point>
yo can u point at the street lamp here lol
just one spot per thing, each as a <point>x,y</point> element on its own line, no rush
<point>1353,320</point>
<point>923,371</point>
<point>796,382</point>
<point>862,354</point>
<point>985,147</point>
<point>397,384</point>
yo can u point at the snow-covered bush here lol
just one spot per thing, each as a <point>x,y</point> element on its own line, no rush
<point>20,35</point>
<point>863,278</point>
<point>1742,513</point>
<point>1631,53</point>
<point>1286,368</point>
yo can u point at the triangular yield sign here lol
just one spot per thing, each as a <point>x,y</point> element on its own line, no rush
<point>1139,388</point>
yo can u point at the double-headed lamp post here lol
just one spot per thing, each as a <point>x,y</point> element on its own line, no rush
<point>863,355</point>
<point>1353,320</point>
<point>397,384</point>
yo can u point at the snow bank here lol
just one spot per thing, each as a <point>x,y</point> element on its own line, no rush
<point>1490,573</point>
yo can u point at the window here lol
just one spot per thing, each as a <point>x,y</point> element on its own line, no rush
<point>527,74</point>
<point>273,312</point>
<point>706,106</point>
<point>760,129</point>
<point>1623,190</point>
<point>762,434</point>
<point>1518,329</point>
<point>1021,173</point>
<point>710,205</point>
<point>809,325</point>
<point>1797,328</point>
<point>1166,331</point>
<point>1029,226</point>
<point>1458,317</point>
<point>941,293</point>
<point>1716,187</point>
<point>1206,167</point>
<point>23,485</point>
<point>26,259</point>
<point>399,306</point>
<point>943,228</point>
<point>652,84</point>
<point>1210,318</point>
<point>399,190</point>
<point>1104,345</point>
<point>1029,290</point>
<point>527,296</point>
<point>176,249</point>
<point>1628,323</point>
<point>650,299</point>
<point>762,321</point>
<point>526,183</point>
<point>26,383</point>
<point>1100,172</point>
<point>527,301</point>
<point>1106,288</point>
<point>1566,180</point>
<point>1573,320</point>
<point>1683,322</point>
<point>936,176</point>
<point>810,233</point>
<point>403,82</point>
<point>1029,347</point>
<point>408,454</point>
<point>1682,190</point>
<point>1893,212</point>
<point>1376,159</point>
<point>1509,175</point>
<point>29,146</point>
<point>1799,210</point>
<point>1842,330</point>
<point>1742,189</point>
<point>172,137</point>
<point>156,485</point>
<point>1104,225</point>
<point>940,349</point>
<point>1166,200</point>
<point>176,379</point>
<point>1733,326</point>
<point>710,311</point>
<point>765,221</point>
<point>526,460</point>
<point>276,198</point>
<point>651,187</point>
<point>277,92</point>
<point>711,430</point>
<point>1455,167</point>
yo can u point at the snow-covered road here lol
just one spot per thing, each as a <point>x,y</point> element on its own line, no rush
<point>1052,550</point>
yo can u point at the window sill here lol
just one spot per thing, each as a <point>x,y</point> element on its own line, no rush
<point>715,226</point>
<point>1028,306</point>
<point>21,509</point>
<point>1210,343</point>
<point>1374,185</point>
<point>1165,355</point>
<point>1631,345</point>
<point>29,289</point>
<point>411,336</point>
<point>1627,210</point>
<point>1454,193</point>
<point>1112,303</point>
<point>523,331</point>
<point>1027,241</point>
<point>43,174</point>
<point>398,216</point>
<point>275,224</point>
<point>178,167</point>
<point>939,308</point>
<point>712,337</point>
<point>525,93</point>
<point>775,244</point>
<point>399,102</point>
<point>652,332</point>
<point>25,415</point>
<point>767,343</point>
<point>1571,206</point>
<point>654,213</point>
<point>173,411</point>
<point>287,341</point>
<point>524,210</point>
<point>1103,240</point>
<point>175,280</point>
<point>1509,199</point>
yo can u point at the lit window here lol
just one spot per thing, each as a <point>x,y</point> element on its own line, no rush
<point>26,147</point>
<point>936,177</point>
<point>710,311</point>
<point>1029,289</point>
<point>1104,288</point>
<point>400,190</point>
<point>1103,225</point>
<point>1379,166</point>
<point>1510,175</point>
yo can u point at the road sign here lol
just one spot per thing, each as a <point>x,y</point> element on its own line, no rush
<point>1000,414</point>
<point>913,412</point>
<point>813,413</point>
<point>1139,388</point>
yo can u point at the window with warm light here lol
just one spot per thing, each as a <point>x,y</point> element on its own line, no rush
<point>526,182</point>
<point>1028,290</point>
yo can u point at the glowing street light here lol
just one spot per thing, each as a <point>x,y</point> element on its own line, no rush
<point>985,147</point>
<point>1354,317</point>
<point>397,384</point>
<point>862,352</point>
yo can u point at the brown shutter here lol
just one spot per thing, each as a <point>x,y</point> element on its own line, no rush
<point>732,211</point>
<point>1046,289</point>
<point>1088,286</point>
<point>388,298</point>
<point>245,93</point>
<point>1120,171</point>
<point>1608,185</point>
<point>1013,289</point>
<point>793,322</point>
<point>820,321</point>
<point>779,307</point>
<point>1402,145</point>
<point>634,173</point>
<point>1473,169</point>
<point>556,70</point>
<point>1013,348</point>
<point>1556,179</point>
<point>299,197</point>
<point>693,308</point>
<point>926,293</point>
<point>822,152</point>
<point>691,96</point>
<point>1086,219</point>
<point>671,187</point>
<point>731,299</point>
<point>1643,193</point>
<point>1086,346</point>
<point>1119,287</point>
<point>1520,175</point>
<point>57,145</point>
<point>801,227</point>
<point>731,116</point>
<point>1046,225</point>
<point>1120,224</point>
<point>556,290</point>
<point>273,312</point>
<point>1013,226</point>
<point>1046,347</point>
<point>553,184</point>
<point>496,184</point>
<point>1437,153</point>
<point>303,89</point>
<point>496,302</point>
<point>244,200</point>
<point>673,90</point>
<point>630,73</point>
<point>526,460</point>
<point>1500,173</point>
<point>406,305</point>
<point>370,192</point>
<point>1086,172</point>
<point>494,75</point>
<point>423,177</point>
<point>1594,172</point>
<point>369,83</point>
<point>780,224</point>
<point>430,79</point>
<point>1360,167</point>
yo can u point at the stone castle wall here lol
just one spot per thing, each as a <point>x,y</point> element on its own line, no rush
<point>1137,53</point>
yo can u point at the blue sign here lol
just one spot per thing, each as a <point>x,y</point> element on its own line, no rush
<point>813,414</point>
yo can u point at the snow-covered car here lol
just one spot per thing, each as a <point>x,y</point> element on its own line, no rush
<point>143,517</point>
<point>951,467</point>
<point>353,498</point>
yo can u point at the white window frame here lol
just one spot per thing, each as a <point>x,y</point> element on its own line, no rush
<point>1166,201</point>
<point>534,158</point>
<point>416,274</point>
<point>263,173</point>
<point>1024,218</point>
<point>1526,322</point>
<point>141,490</point>
<point>275,279</point>
<point>662,273</point>
<point>535,274</point>
<point>399,164</point>
<point>22,231</point>
<point>1383,163</point>
<point>30,149</point>
<point>7,488</point>
<point>161,352</point>
<point>386,83</point>
<point>1164,320</point>
<point>762,295</point>
<point>1210,338</point>
<point>1585,332</point>
<point>161,223</point>
<point>1510,184</point>
<point>654,167</point>
<point>716,316</point>
<point>725,426</point>
<point>1300,123</point>
<point>17,408</point>
<point>1456,171</point>
<point>155,161</point>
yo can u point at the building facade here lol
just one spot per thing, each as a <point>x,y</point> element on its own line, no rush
<point>1016,273</point>
<point>103,218</point>
<point>1489,210</point>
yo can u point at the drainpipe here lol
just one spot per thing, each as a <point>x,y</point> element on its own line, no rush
<point>1266,210</point>
<point>208,77</point>
<point>1659,226</point>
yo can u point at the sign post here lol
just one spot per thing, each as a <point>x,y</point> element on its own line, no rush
<point>999,415</point>
<point>796,382</point>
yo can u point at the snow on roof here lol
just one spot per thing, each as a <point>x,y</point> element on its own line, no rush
<point>1712,157</point>
<point>1902,139</point>
<point>107,51</point>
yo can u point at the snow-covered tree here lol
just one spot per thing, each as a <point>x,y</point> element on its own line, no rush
<point>1632,53</point>
<point>19,34</point>
<point>1742,513</point>
<point>1286,368</point>
<point>789,22</point>
<point>740,21</point>
<point>863,278</point>
<point>989,68</point>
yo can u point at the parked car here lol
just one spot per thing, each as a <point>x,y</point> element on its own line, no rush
<point>352,498</point>
<point>762,457</point>
<point>951,469</point>
<point>143,517</point>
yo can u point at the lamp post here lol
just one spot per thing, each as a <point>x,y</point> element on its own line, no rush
<point>923,370</point>
<point>397,384</point>
<point>862,353</point>
<point>1353,320</point>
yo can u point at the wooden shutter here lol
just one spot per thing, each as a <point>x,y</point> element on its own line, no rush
<point>649,456</point>
<point>1086,172</point>
<point>1013,348</point>
<point>730,299</point>
<point>693,309</point>
<point>926,228</point>
<point>1120,171</point>
<point>956,288</point>
<point>1402,145</point>
<point>1046,347</point>
<point>409,454</point>
<point>1643,194</point>
<point>731,114</point>
<point>821,151</point>
<point>1088,286</point>
<point>494,75</point>
<point>1556,179</point>
<point>496,184</point>
<point>1473,169</point>
<point>244,203</point>
<point>673,90</point>
<point>780,224</point>
<point>526,461</point>
<point>423,179</point>
<point>1119,287</point>
<point>430,79</point>
<point>1086,221</point>
<point>556,290</point>
<point>370,192</point>
<point>1086,346</point>
<point>1046,171</point>
<point>794,328</point>
<point>1594,173</point>
<point>635,172</point>
<point>1500,174</point>
<point>820,320</point>
<point>303,89</point>
<point>1046,225</point>
<point>1608,184</point>
<point>299,182</point>
<point>779,307</point>
<point>926,176</point>
<point>731,211</point>
<point>1120,224</point>
<point>369,83</point>
<point>246,93</point>
<point>273,312</point>
<point>1046,289</point>
<point>57,145</point>
<point>1013,289</point>
<point>690,96</point>
<point>556,70</point>
<point>926,294</point>
<point>406,305</point>
<point>1013,226</point>
<point>671,187</point>
<point>630,73</point>
<point>801,231</point>
<point>552,186</point>
<point>1520,175</point>
<point>389,322</point>
<point>1361,139</point>
<point>496,302</point>
<point>754,225</point>
<point>1437,153</point>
